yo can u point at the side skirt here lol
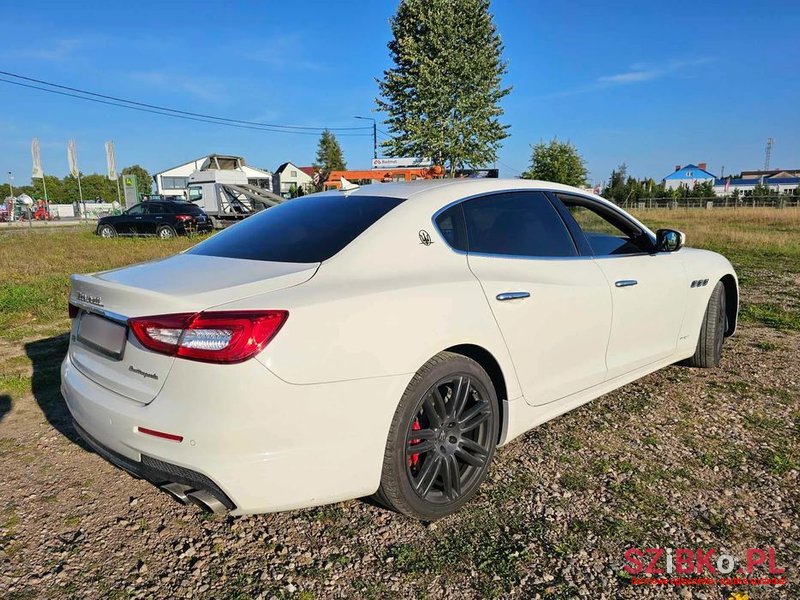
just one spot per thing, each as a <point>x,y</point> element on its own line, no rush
<point>522,416</point>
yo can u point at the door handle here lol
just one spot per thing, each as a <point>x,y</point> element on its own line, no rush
<point>137,218</point>
<point>626,282</point>
<point>513,296</point>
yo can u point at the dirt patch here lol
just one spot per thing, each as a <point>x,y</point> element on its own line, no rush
<point>696,458</point>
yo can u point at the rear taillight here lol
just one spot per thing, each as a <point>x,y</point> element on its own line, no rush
<point>184,217</point>
<point>73,310</point>
<point>219,337</point>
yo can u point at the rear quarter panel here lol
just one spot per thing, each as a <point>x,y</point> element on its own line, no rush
<point>383,306</point>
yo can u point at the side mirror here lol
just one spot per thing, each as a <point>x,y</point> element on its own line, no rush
<point>669,240</point>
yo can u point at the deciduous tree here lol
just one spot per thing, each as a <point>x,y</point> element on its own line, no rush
<point>558,162</point>
<point>144,183</point>
<point>442,95</point>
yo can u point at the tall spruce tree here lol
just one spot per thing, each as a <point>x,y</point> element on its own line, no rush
<point>442,95</point>
<point>329,154</point>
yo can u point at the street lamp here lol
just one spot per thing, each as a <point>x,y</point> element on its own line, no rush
<point>374,134</point>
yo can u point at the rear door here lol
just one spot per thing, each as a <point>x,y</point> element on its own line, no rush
<point>154,215</point>
<point>648,288</point>
<point>553,306</point>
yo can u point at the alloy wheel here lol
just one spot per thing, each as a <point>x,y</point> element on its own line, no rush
<point>448,443</point>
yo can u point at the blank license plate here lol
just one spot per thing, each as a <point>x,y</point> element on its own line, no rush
<point>102,335</point>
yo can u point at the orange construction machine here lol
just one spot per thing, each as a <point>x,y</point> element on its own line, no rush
<point>382,175</point>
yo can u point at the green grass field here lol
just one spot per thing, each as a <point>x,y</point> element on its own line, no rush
<point>763,245</point>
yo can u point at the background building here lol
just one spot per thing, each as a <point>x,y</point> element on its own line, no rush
<point>290,177</point>
<point>780,181</point>
<point>174,181</point>
<point>688,176</point>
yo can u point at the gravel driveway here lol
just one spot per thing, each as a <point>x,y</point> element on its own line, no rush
<point>695,458</point>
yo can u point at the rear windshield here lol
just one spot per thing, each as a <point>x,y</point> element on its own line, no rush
<point>304,230</point>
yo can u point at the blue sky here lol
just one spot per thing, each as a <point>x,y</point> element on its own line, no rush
<point>653,86</point>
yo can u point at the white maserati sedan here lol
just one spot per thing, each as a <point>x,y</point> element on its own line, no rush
<point>381,341</point>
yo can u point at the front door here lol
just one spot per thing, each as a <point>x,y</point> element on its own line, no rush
<point>127,222</point>
<point>648,288</point>
<point>153,217</point>
<point>553,307</point>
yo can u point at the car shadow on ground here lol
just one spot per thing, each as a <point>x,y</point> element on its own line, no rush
<point>5,405</point>
<point>46,356</point>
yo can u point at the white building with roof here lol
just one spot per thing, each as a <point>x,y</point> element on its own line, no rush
<point>688,176</point>
<point>175,180</point>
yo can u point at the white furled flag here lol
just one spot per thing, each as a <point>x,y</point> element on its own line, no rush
<point>111,161</point>
<point>38,173</point>
<point>72,158</point>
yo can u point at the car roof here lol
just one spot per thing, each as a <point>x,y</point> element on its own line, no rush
<point>407,190</point>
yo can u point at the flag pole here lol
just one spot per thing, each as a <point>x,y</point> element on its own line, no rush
<point>80,195</point>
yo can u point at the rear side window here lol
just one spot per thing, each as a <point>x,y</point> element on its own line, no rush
<point>184,208</point>
<point>305,230</point>
<point>451,225</point>
<point>516,224</point>
<point>154,208</point>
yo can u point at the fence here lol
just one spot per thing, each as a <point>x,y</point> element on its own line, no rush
<point>779,202</point>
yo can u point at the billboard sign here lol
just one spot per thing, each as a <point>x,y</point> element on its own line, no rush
<point>130,190</point>
<point>407,162</point>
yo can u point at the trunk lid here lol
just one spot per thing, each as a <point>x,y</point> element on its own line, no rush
<point>185,283</point>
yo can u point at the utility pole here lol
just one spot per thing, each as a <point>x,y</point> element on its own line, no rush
<point>374,135</point>
<point>11,206</point>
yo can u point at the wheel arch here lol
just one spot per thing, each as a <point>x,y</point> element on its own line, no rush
<point>488,363</point>
<point>731,302</point>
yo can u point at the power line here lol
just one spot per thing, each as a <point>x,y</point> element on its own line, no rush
<point>171,112</point>
<point>507,166</point>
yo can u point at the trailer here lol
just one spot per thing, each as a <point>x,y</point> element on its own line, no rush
<point>221,189</point>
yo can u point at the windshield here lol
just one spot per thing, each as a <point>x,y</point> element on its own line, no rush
<point>305,230</point>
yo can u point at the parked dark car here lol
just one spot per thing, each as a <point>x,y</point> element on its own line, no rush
<point>164,219</point>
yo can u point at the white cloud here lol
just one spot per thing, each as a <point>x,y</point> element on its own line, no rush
<point>628,77</point>
<point>644,72</point>
<point>636,74</point>
<point>283,52</point>
<point>52,51</point>
<point>202,88</point>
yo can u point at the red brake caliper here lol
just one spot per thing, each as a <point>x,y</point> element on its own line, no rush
<point>414,458</point>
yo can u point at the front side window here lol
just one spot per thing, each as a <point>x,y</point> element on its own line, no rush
<point>138,209</point>
<point>306,230</point>
<point>195,193</point>
<point>607,232</point>
<point>516,224</point>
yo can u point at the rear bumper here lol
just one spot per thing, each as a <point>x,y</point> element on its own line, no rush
<point>156,471</point>
<point>258,443</point>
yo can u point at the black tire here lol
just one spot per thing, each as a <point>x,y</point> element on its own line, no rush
<point>453,405</point>
<point>106,231</point>
<point>712,332</point>
<point>166,232</point>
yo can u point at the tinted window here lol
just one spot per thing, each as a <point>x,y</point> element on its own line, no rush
<point>137,209</point>
<point>305,230</point>
<point>606,231</point>
<point>154,208</point>
<point>183,208</point>
<point>451,225</point>
<point>516,224</point>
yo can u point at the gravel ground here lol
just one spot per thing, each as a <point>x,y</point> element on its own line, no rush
<point>683,457</point>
